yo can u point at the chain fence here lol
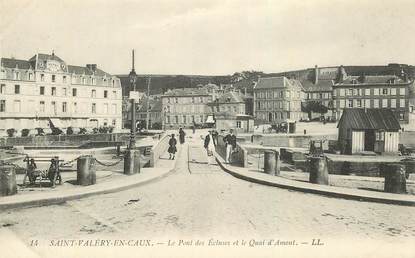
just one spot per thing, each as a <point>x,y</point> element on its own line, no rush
<point>109,165</point>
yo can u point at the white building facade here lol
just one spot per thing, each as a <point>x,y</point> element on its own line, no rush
<point>44,90</point>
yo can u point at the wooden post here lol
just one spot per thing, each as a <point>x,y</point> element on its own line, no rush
<point>395,180</point>
<point>317,167</point>
<point>85,172</point>
<point>7,180</point>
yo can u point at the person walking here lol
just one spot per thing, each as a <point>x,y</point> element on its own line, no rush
<point>230,141</point>
<point>172,147</point>
<point>210,147</point>
<point>182,134</point>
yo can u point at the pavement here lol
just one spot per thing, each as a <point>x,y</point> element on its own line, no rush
<point>107,182</point>
<point>327,190</point>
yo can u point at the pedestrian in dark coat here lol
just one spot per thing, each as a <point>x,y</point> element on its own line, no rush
<point>172,147</point>
<point>182,134</point>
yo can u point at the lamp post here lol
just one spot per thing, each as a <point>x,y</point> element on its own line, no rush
<point>133,80</point>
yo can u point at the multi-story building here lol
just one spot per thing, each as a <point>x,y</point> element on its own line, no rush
<point>184,107</point>
<point>278,99</point>
<point>154,112</point>
<point>374,91</point>
<point>232,102</point>
<point>44,90</point>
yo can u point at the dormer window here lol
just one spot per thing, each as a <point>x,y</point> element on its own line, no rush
<point>392,81</point>
<point>30,76</point>
<point>354,81</point>
<point>16,75</point>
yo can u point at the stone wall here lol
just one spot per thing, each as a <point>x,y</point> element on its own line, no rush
<point>159,149</point>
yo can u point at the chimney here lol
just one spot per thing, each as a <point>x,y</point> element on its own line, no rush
<point>316,74</point>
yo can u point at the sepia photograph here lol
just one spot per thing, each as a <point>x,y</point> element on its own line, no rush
<point>207,128</point>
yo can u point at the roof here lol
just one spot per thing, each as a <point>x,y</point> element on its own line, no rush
<point>322,85</point>
<point>46,57</point>
<point>12,63</point>
<point>155,105</point>
<point>186,92</point>
<point>230,97</point>
<point>372,79</point>
<point>370,118</point>
<point>277,82</point>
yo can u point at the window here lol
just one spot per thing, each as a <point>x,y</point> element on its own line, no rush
<point>64,79</point>
<point>184,119</point>
<point>342,92</point>
<point>75,107</point>
<point>385,91</point>
<point>238,124</point>
<point>53,91</point>
<point>106,108</point>
<point>359,103</point>
<point>42,90</point>
<point>393,103</point>
<point>93,94</point>
<point>53,78</point>
<point>401,91</point>
<point>105,94</point>
<point>3,89</point>
<point>114,109</point>
<point>393,91</point>
<point>114,122</point>
<point>380,136</point>
<point>376,91</point>
<point>376,103</point>
<point>16,89</point>
<point>64,91</point>
<point>176,100</point>
<point>281,94</point>
<point>193,100</point>
<point>114,94</point>
<point>42,106</point>
<point>16,75</point>
<point>384,103</point>
<point>401,116</point>
<point>367,92</point>
<point>83,80</point>
<point>2,105</point>
<point>93,81</point>
<point>176,119</point>
<point>74,92</point>
<point>342,103</point>
<point>64,107</point>
<point>402,103</point>
<point>367,103</point>
<point>54,107</point>
<point>350,103</point>
<point>350,93</point>
<point>42,77</point>
<point>94,108</point>
<point>201,100</point>
<point>30,76</point>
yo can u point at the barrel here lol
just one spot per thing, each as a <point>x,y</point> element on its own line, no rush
<point>271,162</point>
<point>8,184</point>
<point>132,162</point>
<point>317,167</point>
<point>85,170</point>
<point>395,179</point>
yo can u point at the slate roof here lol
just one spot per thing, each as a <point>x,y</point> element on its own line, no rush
<point>322,85</point>
<point>277,82</point>
<point>84,70</point>
<point>230,97</point>
<point>187,92</point>
<point>373,79</point>
<point>155,105</point>
<point>370,118</point>
<point>11,63</point>
<point>46,57</point>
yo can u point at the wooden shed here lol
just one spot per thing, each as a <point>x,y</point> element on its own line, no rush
<point>368,129</point>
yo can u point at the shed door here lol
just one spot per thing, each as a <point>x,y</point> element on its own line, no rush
<point>358,141</point>
<point>370,140</point>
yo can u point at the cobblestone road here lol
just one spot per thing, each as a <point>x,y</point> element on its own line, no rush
<point>199,200</point>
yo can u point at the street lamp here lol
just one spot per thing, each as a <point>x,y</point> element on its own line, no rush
<point>133,79</point>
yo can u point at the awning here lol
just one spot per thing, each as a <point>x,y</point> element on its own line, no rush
<point>210,120</point>
<point>54,122</point>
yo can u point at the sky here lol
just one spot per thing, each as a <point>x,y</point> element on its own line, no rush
<point>212,37</point>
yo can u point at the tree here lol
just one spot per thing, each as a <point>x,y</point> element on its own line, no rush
<point>313,106</point>
<point>246,75</point>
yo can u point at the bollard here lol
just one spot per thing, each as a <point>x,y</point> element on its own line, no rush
<point>317,167</point>
<point>395,180</point>
<point>85,170</point>
<point>271,162</point>
<point>7,180</point>
<point>118,150</point>
<point>132,162</point>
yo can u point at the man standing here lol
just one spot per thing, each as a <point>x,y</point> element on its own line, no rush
<point>210,147</point>
<point>230,141</point>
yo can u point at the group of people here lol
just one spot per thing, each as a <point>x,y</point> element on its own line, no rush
<point>210,143</point>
